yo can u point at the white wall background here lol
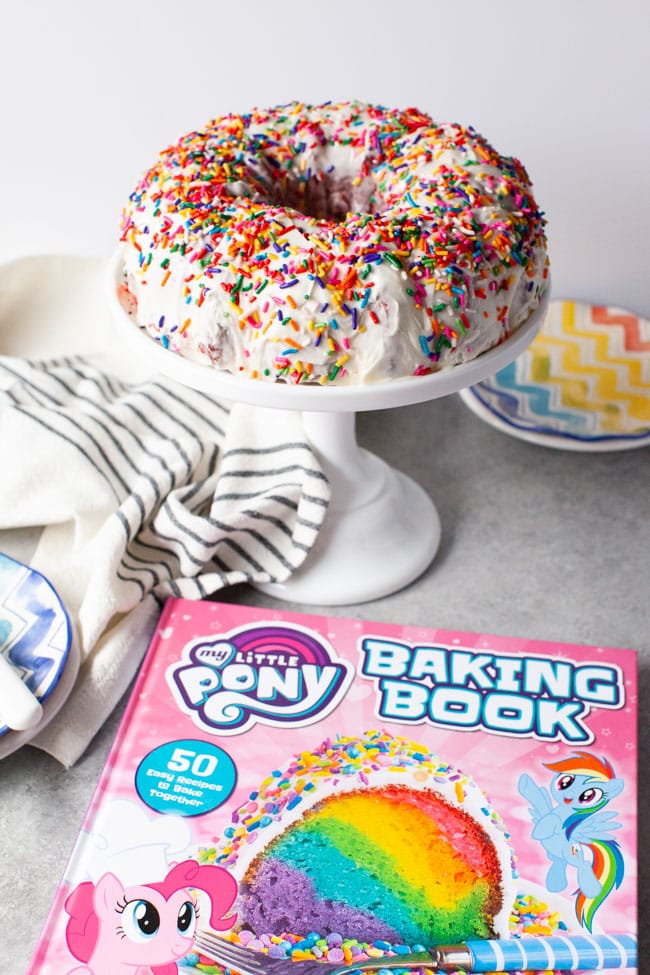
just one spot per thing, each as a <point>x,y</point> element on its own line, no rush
<point>89,93</point>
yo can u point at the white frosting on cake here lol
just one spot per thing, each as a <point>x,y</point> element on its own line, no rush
<point>345,244</point>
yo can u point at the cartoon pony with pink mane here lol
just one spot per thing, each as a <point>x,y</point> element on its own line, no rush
<point>144,929</point>
<point>571,823</point>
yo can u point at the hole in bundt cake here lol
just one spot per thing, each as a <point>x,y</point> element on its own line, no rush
<point>320,195</point>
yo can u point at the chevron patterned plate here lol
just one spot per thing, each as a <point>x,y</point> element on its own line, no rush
<point>35,631</point>
<point>582,384</point>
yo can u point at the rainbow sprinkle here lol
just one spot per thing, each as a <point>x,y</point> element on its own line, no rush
<point>241,232</point>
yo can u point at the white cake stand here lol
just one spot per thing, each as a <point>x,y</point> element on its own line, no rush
<point>381,530</point>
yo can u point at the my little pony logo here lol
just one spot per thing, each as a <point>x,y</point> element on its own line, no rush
<point>144,929</point>
<point>571,825</point>
<point>283,675</point>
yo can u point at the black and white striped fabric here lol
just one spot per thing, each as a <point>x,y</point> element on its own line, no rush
<point>144,491</point>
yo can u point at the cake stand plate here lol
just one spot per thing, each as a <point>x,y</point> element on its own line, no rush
<point>381,530</point>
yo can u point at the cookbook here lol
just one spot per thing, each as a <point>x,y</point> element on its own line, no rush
<point>317,787</point>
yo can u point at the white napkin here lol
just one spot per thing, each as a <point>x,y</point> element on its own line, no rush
<point>143,490</point>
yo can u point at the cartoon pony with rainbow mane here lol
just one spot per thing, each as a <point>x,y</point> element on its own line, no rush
<point>571,823</point>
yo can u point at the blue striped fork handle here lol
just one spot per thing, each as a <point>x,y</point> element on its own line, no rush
<point>570,952</point>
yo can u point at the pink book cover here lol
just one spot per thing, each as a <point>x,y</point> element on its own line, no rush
<point>321,787</point>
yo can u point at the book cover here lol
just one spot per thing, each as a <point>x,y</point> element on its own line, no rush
<point>321,787</point>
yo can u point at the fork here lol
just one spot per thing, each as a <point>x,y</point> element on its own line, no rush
<point>569,952</point>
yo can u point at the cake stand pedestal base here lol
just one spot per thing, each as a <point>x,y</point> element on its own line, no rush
<point>381,530</point>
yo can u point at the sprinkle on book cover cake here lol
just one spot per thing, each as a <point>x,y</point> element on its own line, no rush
<point>371,838</point>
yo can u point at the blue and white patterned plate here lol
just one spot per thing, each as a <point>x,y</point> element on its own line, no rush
<point>35,629</point>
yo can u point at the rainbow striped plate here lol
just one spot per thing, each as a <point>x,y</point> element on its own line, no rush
<point>582,384</point>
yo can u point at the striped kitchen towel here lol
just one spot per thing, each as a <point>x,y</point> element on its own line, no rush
<point>142,491</point>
